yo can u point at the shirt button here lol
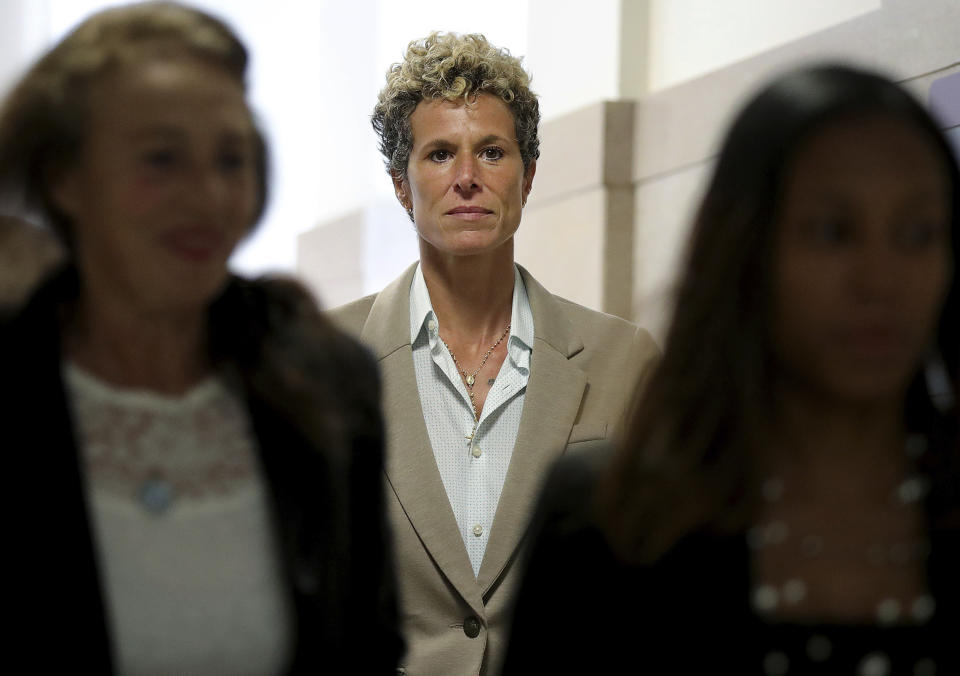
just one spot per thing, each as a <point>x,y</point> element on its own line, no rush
<point>476,452</point>
<point>471,627</point>
<point>478,530</point>
<point>432,326</point>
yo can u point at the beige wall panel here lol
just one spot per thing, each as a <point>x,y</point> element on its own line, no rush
<point>582,201</point>
<point>584,149</point>
<point>571,154</point>
<point>678,127</point>
<point>664,212</point>
<point>618,137</point>
<point>618,252</point>
<point>562,244</point>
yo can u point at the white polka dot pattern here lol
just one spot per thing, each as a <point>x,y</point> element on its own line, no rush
<point>473,471</point>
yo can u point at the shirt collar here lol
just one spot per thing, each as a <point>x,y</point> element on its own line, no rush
<point>521,317</point>
<point>421,309</point>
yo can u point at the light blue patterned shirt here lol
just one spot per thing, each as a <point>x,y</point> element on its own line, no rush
<point>473,471</point>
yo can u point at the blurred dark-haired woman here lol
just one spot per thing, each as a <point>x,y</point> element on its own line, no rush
<point>786,497</point>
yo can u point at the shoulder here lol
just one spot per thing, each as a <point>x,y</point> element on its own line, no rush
<point>618,356</point>
<point>353,315</point>
<point>600,328</point>
<point>599,332</point>
<point>278,318</point>
<point>32,323</point>
<point>388,306</point>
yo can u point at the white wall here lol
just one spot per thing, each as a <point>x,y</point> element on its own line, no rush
<point>23,31</point>
<point>689,38</point>
<point>316,68</point>
<point>574,53</point>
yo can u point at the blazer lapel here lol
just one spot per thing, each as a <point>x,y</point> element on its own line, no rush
<point>553,397</point>
<point>410,467</point>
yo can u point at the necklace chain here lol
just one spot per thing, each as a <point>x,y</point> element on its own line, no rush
<point>768,596</point>
<point>471,379</point>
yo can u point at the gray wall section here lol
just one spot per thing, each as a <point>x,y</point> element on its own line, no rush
<point>677,130</point>
<point>945,104</point>
<point>945,100</point>
<point>954,136</point>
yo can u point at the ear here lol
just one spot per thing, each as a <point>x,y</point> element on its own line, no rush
<point>401,188</point>
<point>528,180</point>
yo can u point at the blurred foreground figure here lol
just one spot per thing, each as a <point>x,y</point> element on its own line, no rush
<point>193,459</point>
<point>26,254</point>
<point>488,377</point>
<point>786,497</point>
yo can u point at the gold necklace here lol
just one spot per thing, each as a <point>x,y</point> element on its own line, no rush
<point>472,378</point>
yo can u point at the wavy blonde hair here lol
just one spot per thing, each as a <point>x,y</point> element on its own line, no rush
<point>43,121</point>
<point>452,66</point>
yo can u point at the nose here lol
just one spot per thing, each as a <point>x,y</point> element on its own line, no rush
<point>209,185</point>
<point>876,273</point>
<point>467,180</point>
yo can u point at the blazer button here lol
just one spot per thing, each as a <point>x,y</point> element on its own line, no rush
<point>471,627</point>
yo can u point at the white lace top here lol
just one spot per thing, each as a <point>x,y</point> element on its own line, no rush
<point>183,530</point>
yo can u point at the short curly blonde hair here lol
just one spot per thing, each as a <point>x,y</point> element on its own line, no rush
<point>452,66</point>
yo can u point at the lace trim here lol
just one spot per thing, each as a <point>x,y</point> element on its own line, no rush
<point>196,446</point>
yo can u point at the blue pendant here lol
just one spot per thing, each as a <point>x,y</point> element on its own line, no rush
<point>156,495</point>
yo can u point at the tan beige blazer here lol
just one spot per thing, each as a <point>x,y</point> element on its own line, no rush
<point>584,367</point>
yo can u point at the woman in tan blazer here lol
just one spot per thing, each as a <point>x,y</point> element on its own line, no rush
<point>488,377</point>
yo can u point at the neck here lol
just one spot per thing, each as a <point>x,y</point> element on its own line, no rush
<point>472,296</point>
<point>826,440</point>
<point>163,352</point>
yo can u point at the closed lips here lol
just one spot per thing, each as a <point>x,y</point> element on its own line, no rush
<point>469,210</point>
<point>194,241</point>
<point>873,338</point>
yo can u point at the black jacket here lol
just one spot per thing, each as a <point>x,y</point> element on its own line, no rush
<point>584,610</point>
<point>315,414</point>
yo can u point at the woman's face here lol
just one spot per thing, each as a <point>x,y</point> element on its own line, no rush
<point>863,261</point>
<point>165,185</point>
<point>465,178</point>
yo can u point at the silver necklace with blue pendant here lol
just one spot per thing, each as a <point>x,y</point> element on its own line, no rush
<point>156,495</point>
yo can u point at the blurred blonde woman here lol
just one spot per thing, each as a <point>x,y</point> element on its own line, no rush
<point>193,457</point>
<point>26,254</point>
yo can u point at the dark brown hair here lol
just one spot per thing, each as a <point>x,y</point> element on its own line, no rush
<point>686,462</point>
